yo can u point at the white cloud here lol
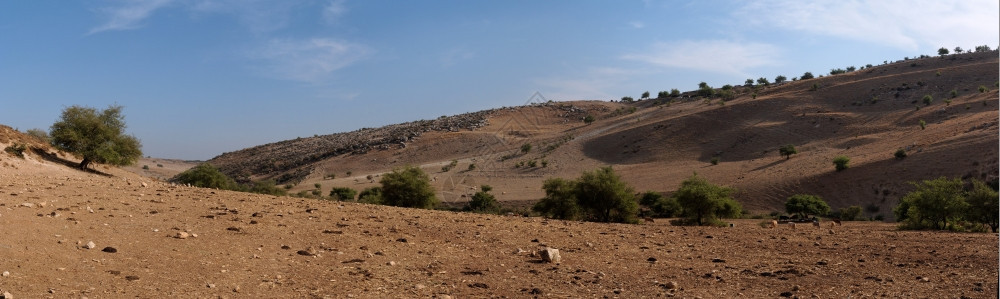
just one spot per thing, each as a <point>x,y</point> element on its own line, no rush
<point>716,56</point>
<point>903,24</point>
<point>309,60</point>
<point>128,15</point>
<point>333,10</point>
<point>260,16</point>
<point>636,24</point>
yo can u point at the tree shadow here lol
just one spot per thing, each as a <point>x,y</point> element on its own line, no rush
<point>770,164</point>
<point>54,158</point>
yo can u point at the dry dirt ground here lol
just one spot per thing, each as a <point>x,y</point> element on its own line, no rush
<point>157,239</point>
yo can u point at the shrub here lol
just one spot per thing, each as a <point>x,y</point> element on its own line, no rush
<point>715,161</point>
<point>900,154</point>
<point>983,88</point>
<point>604,197</point>
<point>532,164</point>
<point>343,193</point>
<point>472,167</point>
<point>804,205</point>
<point>408,187</point>
<point>145,167</point>
<point>787,150</point>
<point>927,99</point>
<point>627,100</point>
<point>851,68</point>
<point>545,163</point>
<point>850,213</point>
<point>288,186</point>
<point>675,92</point>
<point>645,95</point>
<point>923,124</point>
<point>559,201</point>
<point>704,202</point>
<point>841,162</point>
<point>943,51</point>
<point>814,87</point>
<point>526,148</point>
<point>484,202</point>
<point>267,187</point>
<point>933,204</point>
<point>16,149</point>
<point>205,176</point>
<point>780,79</point>
<point>588,119</point>
<point>318,185</point>
<point>663,94</point>
<point>763,81</point>
<point>96,136</point>
<point>806,75</point>
<point>372,195</point>
<point>748,82</point>
<point>837,71</point>
<point>954,93</point>
<point>706,91</point>
<point>984,205</point>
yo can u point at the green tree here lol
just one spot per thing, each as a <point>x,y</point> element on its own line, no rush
<point>372,195</point>
<point>748,82</point>
<point>588,119</point>
<point>704,90</point>
<point>705,202</point>
<point>343,193</point>
<point>266,187</point>
<point>805,205</point>
<point>99,137</point>
<point>763,81</point>
<point>806,75</point>
<point>525,148</point>
<point>663,94</point>
<point>484,202</point>
<point>627,100</point>
<point>205,176</point>
<point>658,205</point>
<point>933,204</point>
<point>841,162</point>
<point>408,187</point>
<point>984,205</point>
<point>645,95</point>
<point>559,201</point>
<point>943,51</point>
<point>780,79</point>
<point>604,197</point>
<point>928,99</point>
<point>850,213</point>
<point>675,92</point>
<point>40,134</point>
<point>959,50</point>
<point>787,150</point>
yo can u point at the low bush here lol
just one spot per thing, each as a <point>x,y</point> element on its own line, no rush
<point>484,202</point>
<point>343,194</point>
<point>16,149</point>
<point>841,162</point>
<point>900,154</point>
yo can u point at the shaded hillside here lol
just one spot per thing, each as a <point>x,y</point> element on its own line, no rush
<point>866,115</point>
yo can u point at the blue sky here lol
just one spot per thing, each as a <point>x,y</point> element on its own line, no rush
<point>202,77</point>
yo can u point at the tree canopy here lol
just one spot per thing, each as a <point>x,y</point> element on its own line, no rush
<point>205,176</point>
<point>805,205</point>
<point>408,187</point>
<point>598,195</point>
<point>705,202</point>
<point>933,204</point>
<point>96,136</point>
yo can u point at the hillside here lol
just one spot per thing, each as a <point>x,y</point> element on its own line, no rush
<point>865,115</point>
<point>111,233</point>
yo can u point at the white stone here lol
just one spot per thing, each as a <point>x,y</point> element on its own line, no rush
<point>550,255</point>
<point>90,245</point>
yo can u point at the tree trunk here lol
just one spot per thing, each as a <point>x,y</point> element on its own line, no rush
<point>84,163</point>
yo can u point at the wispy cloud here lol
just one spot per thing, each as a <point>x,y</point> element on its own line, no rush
<point>259,16</point>
<point>718,56</point>
<point>592,84</point>
<point>636,24</point>
<point>333,10</point>
<point>128,15</point>
<point>309,60</point>
<point>903,24</point>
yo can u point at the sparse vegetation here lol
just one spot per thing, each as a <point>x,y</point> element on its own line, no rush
<point>472,167</point>
<point>841,162</point>
<point>983,89</point>
<point>145,167</point>
<point>804,205</point>
<point>927,99</point>
<point>408,187</point>
<point>780,79</point>
<point>954,93</point>
<point>371,195</point>
<point>704,203</point>
<point>559,201</point>
<point>806,75</point>
<point>715,160</point>
<point>449,166</point>
<point>850,213</point>
<point>748,82</point>
<point>704,90</point>
<point>588,119</point>
<point>787,151</point>
<point>923,124</point>
<point>943,51</point>
<point>525,148</point>
<point>814,87</point>
<point>39,135</point>
<point>96,136</point>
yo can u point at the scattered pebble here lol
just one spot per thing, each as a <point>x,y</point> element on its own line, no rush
<point>90,245</point>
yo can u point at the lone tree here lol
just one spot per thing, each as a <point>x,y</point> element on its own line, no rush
<point>97,136</point>
<point>805,205</point>
<point>806,75</point>
<point>645,95</point>
<point>943,51</point>
<point>705,202</point>
<point>408,187</point>
<point>787,150</point>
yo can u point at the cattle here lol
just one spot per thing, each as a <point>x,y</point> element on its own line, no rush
<point>774,223</point>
